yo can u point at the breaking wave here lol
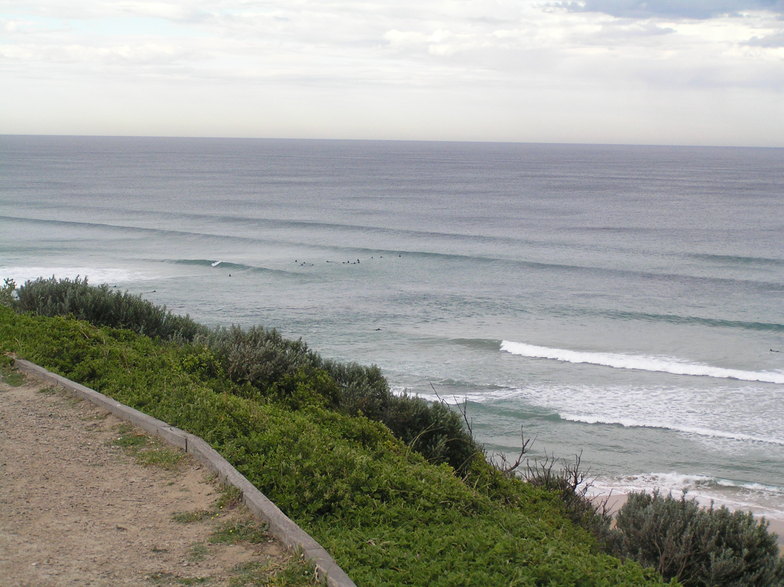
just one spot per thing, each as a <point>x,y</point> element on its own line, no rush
<point>639,362</point>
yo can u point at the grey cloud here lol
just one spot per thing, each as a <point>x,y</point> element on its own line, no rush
<point>770,42</point>
<point>696,9</point>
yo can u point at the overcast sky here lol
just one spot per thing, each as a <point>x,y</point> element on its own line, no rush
<point>704,72</point>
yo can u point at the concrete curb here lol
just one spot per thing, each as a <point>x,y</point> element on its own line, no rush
<point>279,524</point>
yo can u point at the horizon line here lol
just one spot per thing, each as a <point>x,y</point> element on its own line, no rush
<point>393,140</point>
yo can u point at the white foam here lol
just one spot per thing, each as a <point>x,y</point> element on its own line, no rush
<point>760,499</point>
<point>95,275</point>
<point>479,397</point>
<point>671,365</point>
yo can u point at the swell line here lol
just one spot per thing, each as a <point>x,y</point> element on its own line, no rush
<point>677,319</point>
<point>639,363</point>
<point>238,267</point>
<point>517,263</point>
<point>663,425</point>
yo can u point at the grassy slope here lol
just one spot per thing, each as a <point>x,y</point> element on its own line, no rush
<point>386,515</point>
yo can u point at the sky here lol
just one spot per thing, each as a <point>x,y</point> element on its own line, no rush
<point>674,72</point>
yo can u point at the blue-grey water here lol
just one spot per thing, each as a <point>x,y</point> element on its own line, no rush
<point>626,302</point>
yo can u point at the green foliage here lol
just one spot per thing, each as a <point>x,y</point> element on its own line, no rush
<point>229,498</point>
<point>288,371</point>
<point>306,387</point>
<point>7,373</point>
<point>432,429</point>
<point>363,390</point>
<point>191,516</point>
<point>242,531</point>
<point>7,292</point>
<point>384,512</point>
<point>201,361</point>
<point>262,363</point>
<point>292,573</point>
<point>571,484</point>
<point>699,547</point>
<point>104,307</point>
<point>259,356</point>
<point>146,450</point>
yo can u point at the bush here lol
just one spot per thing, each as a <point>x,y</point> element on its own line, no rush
<point>571,484</point>
<point>364,390</point>
<point>104,307</point>
<point>7,293</point>
<point>432,429</point>
<point>287,370</point>
<point>698,546</point>
<point>259,356</point>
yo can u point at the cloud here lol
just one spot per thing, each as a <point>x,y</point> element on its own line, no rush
<point>694,9</point>
<point>772,41</point>
<point>437,68</point>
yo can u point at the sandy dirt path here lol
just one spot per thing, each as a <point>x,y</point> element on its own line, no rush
<point>77,509</point>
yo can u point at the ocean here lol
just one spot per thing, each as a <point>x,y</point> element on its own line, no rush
<point>621,303</point>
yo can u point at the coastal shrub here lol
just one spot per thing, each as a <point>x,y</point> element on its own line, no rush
<point>384,513</point>
<point>258,355</point>
<point>104,306</point>
<point>306,387</point>
<point>287,370</point>
<point>7,292</point>
<point>698,546</point>
<point>364,390</point>
<point>263,357</point>
<point>571,484</point>
<point>201,361</point>
<point>432,429</point>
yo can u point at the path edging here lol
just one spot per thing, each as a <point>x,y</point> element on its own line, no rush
<point>280,525</point>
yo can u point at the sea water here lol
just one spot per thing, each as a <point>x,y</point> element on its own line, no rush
<point>622,303</point>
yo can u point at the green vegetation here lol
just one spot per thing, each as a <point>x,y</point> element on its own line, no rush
<point>198,552</point>
<point>698,546</point>
<point>241,531</point>
<point>230,497</point>
<point>7,293</point>
<point>395,488</point>
<point>192,516</point>
<point>102,306</point>
<point>294,572</point>
<point>146,450</point>
<point>7,373</point>
<point>262,364</point>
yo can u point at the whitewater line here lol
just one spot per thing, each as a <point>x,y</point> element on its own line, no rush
<point>639,363</point>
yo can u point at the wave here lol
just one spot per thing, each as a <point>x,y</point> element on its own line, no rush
<point>237,267</point>
<point>738,260</point>
<point>698,431</point>
<point>191,234</point>
<point>640,363</point>
<point>512,262</point>
<point>681,480</point>
<point>677,319</point>
<point>492,395</point>
<point>95,275</point>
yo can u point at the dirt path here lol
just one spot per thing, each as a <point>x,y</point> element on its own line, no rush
<point>78,507</point>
